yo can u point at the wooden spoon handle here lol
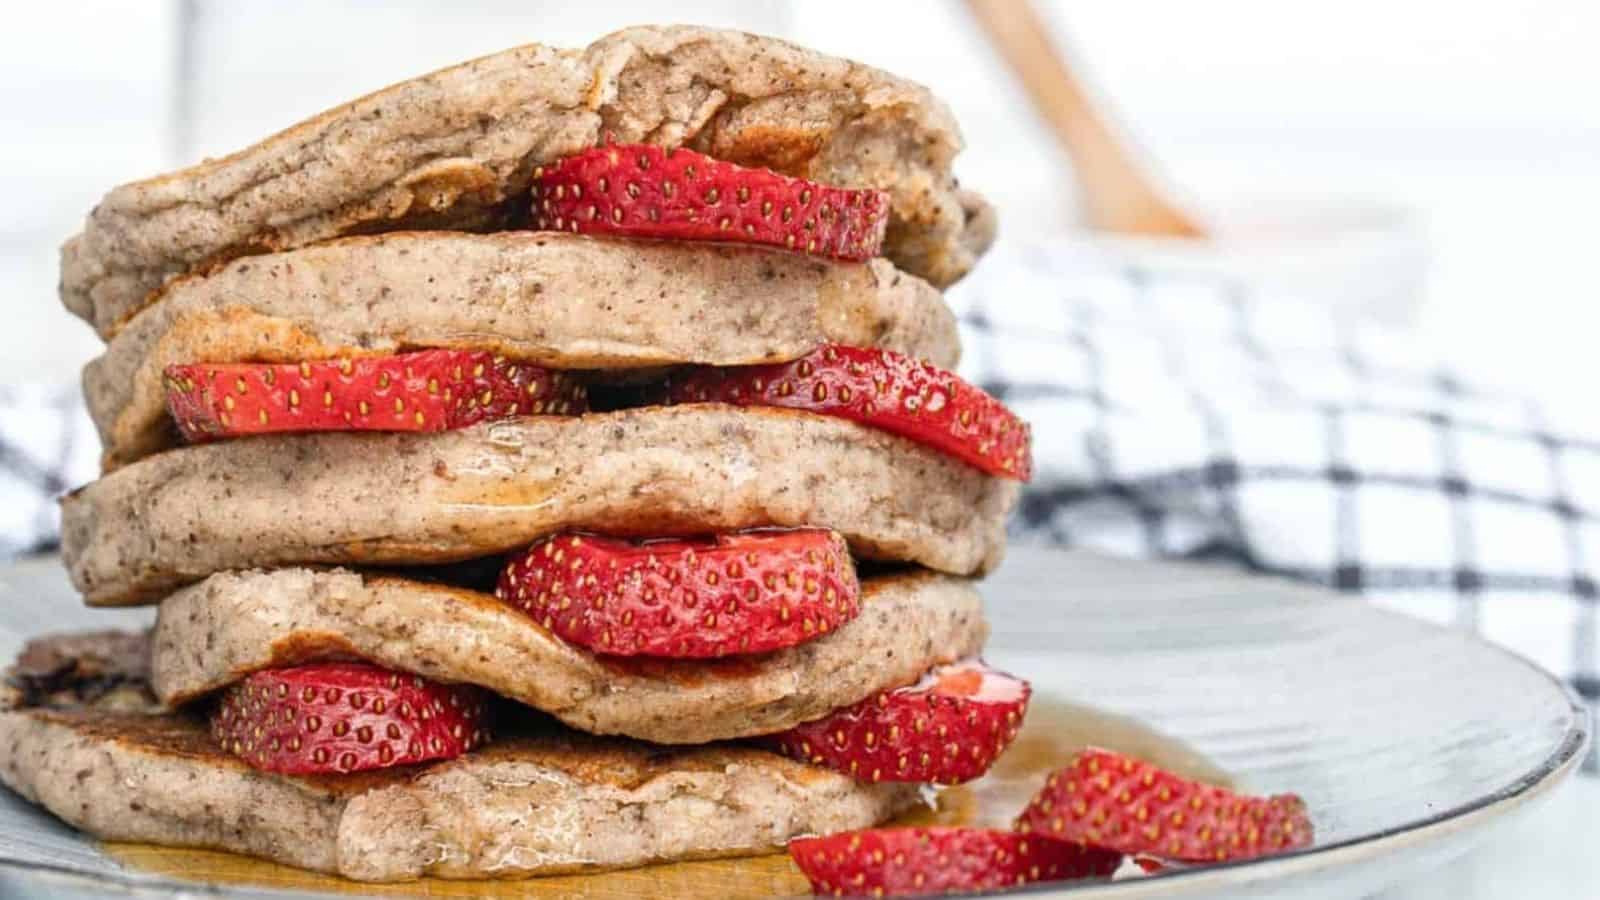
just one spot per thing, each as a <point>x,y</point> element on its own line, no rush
<point>1118,195</point>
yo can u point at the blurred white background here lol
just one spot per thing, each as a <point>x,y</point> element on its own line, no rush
<point>1481,118</point>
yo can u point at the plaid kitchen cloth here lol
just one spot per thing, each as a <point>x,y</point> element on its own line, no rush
<point>1183,413</point>
<point>47,446</point>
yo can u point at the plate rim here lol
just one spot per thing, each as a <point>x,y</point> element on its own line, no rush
<point>1530,786</point>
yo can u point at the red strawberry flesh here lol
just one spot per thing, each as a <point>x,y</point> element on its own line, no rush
<point>1108,800</point>
<point>1150,865</point>
<point>334,718</point>
<point>747,592</point>
<point>429,390</point>
<point>641,190</point>
<point>908,862</point>
<point>945,729</point>
<point>882,389</point>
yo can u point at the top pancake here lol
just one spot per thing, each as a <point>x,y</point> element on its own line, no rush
<point>456,150</point>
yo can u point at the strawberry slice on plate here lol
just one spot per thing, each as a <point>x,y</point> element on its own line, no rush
<point>945,729</point>
<point>903,862</point>
<point>748,592</point>
<point>641,190</point>
<point>334,718</point>
<point>429,390</point>
<point>882,389</point>
<point>1105,799</point>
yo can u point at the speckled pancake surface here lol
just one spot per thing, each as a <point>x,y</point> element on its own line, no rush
<point>557,300</point>
<point>456,150</point>
<point>176,517</point>
<point>213,633</point>
<point>531,804</point>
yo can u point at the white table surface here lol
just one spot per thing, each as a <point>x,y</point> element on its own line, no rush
<point>1553,853</point>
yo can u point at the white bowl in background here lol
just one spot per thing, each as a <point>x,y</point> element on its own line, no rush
<point>1363,258</point>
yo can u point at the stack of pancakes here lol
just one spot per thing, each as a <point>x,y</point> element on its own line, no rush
<point>409,222</point>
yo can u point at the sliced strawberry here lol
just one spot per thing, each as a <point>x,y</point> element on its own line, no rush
<point>346,717</point>
<point>903,862</point>
<point>641,190</point>
<point>945,729</point>
<point>882,389</point>
<point>430,390</point>
<point>733,593</point>
<point>1108,800</point>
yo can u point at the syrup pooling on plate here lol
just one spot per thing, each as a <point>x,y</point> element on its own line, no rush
<point>1052,732</point>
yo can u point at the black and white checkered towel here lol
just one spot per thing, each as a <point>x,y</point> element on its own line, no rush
<point>47,446</point>
<point>1185,414</point>
<point>1181,413</point>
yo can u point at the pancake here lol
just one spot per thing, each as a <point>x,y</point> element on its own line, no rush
<point>214,633</point>
<point>177,517</point>
<point>541,803</point>
<point>456,150</point>
<point>557,300</point>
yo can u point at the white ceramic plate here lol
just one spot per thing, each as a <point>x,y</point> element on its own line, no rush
<point>1409,742</point>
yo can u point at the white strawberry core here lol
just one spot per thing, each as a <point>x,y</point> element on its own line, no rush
<point>972,679</point>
